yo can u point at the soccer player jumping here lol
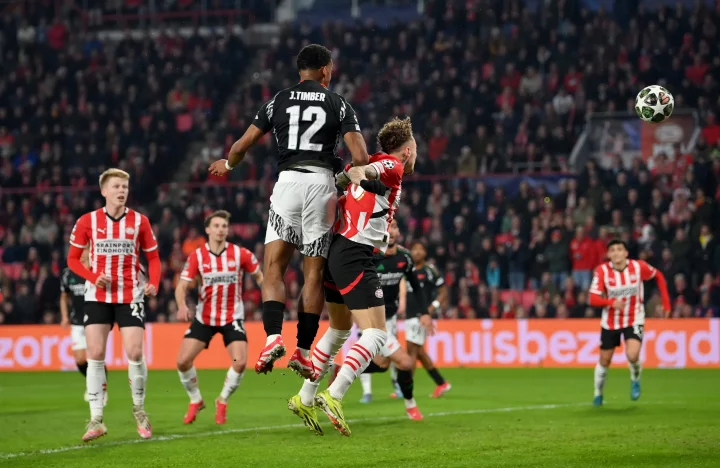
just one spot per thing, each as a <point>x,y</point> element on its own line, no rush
<point>220,266</point>
<point>617,286</point>
<point>114,292</point>
<point>352,285</point>
<point>307,120</point>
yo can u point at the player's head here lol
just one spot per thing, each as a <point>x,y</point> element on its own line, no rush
<point>216,225</point>
<point>114,186</point>
<point>393,233</point>
<point>314,62</point>
<point>418,252</point>
<point>617,251</point>
<point>396,138</point>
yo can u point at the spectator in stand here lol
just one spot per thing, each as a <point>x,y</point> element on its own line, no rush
<point>582,252</point>
<point>558,258</point>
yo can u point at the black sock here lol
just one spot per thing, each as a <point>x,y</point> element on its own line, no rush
<point>308,325</point>
<point>83,368</point>
<point>436,376</point>
<point>373,368</point>
<point>405,381</point>
<point>272,314</point>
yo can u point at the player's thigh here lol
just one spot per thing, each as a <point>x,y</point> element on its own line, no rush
<point>633,337</point>
<point>340,316</point>
<point>414,332</point>
<point>285,215</point>
<point>196,339</point>
<point>236,346</point>
<point>99,319</point>
<point>318,217</point>
<point>131,321</point>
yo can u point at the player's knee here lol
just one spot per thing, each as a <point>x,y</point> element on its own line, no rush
<point>184,364</point>
<point>404,363</point>
<point>134,353</point>
<point>377,335</point>
<point>81,361</point>
<point>238,367</point>
<point>633,357</point>
<point>605,362</point>
<point>96,353</point>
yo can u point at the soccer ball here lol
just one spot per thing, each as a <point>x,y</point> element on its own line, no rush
<point>654,104</point>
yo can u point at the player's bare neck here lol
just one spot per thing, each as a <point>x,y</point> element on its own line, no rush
<point>419,265</point>
<point>217,248</point>
<point>391,250</point>
<point>115,211</point>
<point>312,75</point>
<point>620,266</point>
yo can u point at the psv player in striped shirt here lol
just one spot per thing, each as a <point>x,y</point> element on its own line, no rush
<point>114,292</point>
<point>617,286</point>
<point>220,266</point>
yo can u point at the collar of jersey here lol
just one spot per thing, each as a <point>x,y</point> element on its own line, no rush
<point>316,81</point>
<point>207,246</point>
<point>114,219</point>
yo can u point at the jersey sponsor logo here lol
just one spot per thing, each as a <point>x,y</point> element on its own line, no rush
<point>130,231</point>
<point>115,247</point>
<point>623,292</point>
<point>391,279</point>
<point>220,278</point>
<point>78,289</point>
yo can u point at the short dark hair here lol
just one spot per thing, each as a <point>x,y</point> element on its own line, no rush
<point>617,242</point>
<point>217,214</point>
<point>394,134</point>
<point>417,242</point>
<point>313,57</point>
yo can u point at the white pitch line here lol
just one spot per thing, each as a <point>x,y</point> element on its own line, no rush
<point>5,456</point>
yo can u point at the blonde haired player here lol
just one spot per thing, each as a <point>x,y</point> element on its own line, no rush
<point>114,292</point>
<point>220,266</point>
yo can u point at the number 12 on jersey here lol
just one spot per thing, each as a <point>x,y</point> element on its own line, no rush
<point>314,114</point>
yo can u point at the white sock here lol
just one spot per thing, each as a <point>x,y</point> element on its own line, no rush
<point>366,381</point>
<point>410,403</point>
<point>322,356</point>
<point>96,387</point>
<point>190,382</point>
<point>304,353</point>
<point>357,360</point>
<point>600,375</point>
<point>270,339</point>
<point>635,370</point>
<point>232,382</point>
<point>137,373</point>
<point>393,372</point>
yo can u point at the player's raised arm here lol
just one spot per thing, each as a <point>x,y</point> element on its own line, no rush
<point>357,147</point>
<point>648,272</point>
<point>238,149</point>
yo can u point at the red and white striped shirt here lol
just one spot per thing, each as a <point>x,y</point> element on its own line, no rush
<point>115,251</point>
<point>364,216</point>
<point>220,293</point>
<point>626,285</point>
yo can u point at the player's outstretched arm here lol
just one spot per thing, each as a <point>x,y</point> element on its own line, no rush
<point>662,286</point>
<point>356,145</point>
<point>237,151</point>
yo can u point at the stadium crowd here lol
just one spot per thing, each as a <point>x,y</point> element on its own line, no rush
<point>492,88</point>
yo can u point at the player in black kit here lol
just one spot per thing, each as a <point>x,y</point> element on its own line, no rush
<point>433,287</point>
<point>307,121</point>
<point>72,292</point>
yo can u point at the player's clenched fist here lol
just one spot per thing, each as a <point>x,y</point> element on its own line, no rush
<point>102,281</point>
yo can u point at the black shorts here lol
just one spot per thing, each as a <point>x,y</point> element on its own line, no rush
<point>350,275</point>
<point>233,331</point>
<point>610,339</point>
<point>125,315</point>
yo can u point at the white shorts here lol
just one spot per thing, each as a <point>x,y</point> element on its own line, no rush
<point>392,344</point>
<point>302,211</point>
<point>77,335</point>
<point>414,332</point>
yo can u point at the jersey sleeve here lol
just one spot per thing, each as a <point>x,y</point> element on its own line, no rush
<point>409,267</point>
<point>647,271</point>
<point>263,118</point>
<point>190,270</point>
<point>598,282</point>
<point>348,118</point>
<point>80,235</point>
<point>438,280</point>
<point>389,170</point>
<point>248,261</point>
<point>148,243</point>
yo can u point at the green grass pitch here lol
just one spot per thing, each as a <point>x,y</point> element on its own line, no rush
<point>492,417</point>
